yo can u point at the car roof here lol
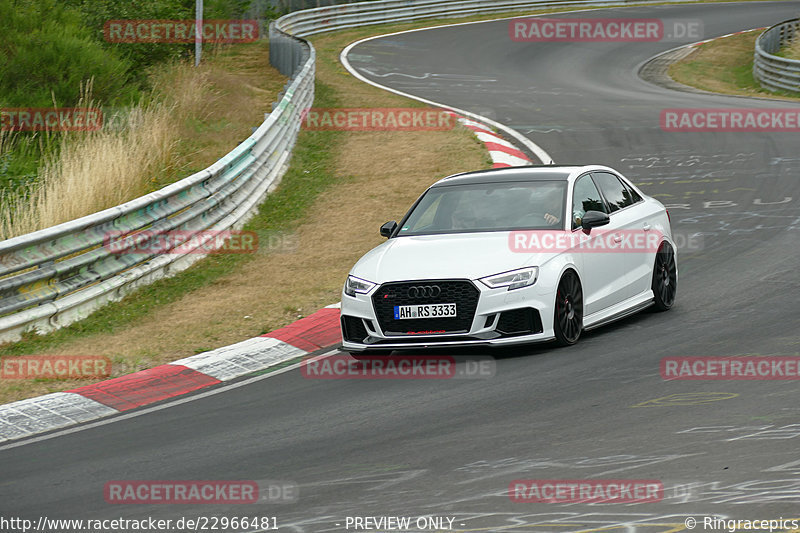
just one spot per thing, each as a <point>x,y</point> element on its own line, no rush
<point>526,173</point>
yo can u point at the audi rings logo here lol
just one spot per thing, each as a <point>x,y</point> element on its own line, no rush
<point>424,291</point>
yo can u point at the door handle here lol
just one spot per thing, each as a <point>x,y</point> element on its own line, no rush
<point>618,238</point>
<point>646,226</point>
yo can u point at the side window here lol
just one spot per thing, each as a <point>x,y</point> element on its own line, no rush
<point>634,195</point>
<point>616,194</point>
<point>585,197</point>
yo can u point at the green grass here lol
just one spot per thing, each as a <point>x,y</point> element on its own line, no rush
<point>310,173</point>
<point>19,160</point>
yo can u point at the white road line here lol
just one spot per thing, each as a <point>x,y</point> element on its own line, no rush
<point>543,156</point>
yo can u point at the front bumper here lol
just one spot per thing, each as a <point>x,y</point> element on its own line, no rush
<point>495,317</point>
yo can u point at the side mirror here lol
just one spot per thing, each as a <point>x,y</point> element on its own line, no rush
<point>388,228</point>
<point>593,219</point>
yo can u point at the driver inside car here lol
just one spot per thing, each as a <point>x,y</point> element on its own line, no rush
<point>546,202</point>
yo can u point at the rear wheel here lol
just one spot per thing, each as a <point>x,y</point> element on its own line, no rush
<point>665,277</point>
<point>568,319</point>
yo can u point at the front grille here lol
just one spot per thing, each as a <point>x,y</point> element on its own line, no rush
<point>353,329</point>
<point>460,292</point>
<point>519,322</point>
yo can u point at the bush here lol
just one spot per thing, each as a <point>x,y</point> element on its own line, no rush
<point>95,13</point>
<point>46,53</point>
<point>142,56</point>
<point>53,53</point>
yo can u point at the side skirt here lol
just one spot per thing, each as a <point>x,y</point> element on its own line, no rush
<point>619,311</point>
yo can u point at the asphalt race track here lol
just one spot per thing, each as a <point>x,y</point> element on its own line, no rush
<point>598,410</point>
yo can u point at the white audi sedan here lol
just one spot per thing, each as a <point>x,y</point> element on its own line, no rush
<point>511,256</point>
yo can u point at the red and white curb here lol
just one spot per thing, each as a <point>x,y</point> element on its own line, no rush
<point>698,43</point>
<point>58,410</point>
<point>502,152</point>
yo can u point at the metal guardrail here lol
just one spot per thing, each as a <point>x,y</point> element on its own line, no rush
<point>287,53</point>
<point>774,72</point>
<point>60,274</point>
<point>325,19</point>
<point>57,275</point>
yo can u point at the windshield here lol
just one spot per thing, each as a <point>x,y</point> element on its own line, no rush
<point>498,206</point>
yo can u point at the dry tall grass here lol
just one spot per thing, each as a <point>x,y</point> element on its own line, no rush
<point>92,171</point>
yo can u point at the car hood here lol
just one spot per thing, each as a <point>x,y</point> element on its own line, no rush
<point>461,255</point>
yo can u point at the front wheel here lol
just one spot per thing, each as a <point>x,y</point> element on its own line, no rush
<point>568,319</point>
<point>665,277</point>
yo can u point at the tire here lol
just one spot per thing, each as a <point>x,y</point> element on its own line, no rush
<point>665,278</point>
<point>568,314</point>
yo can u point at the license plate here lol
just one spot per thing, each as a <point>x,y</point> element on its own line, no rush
<point>403,312</point>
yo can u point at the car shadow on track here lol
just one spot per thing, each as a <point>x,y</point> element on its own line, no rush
<point>609,333</point>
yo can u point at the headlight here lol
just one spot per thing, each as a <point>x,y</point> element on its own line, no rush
<point>355,285</point>
<point>514,279</point>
